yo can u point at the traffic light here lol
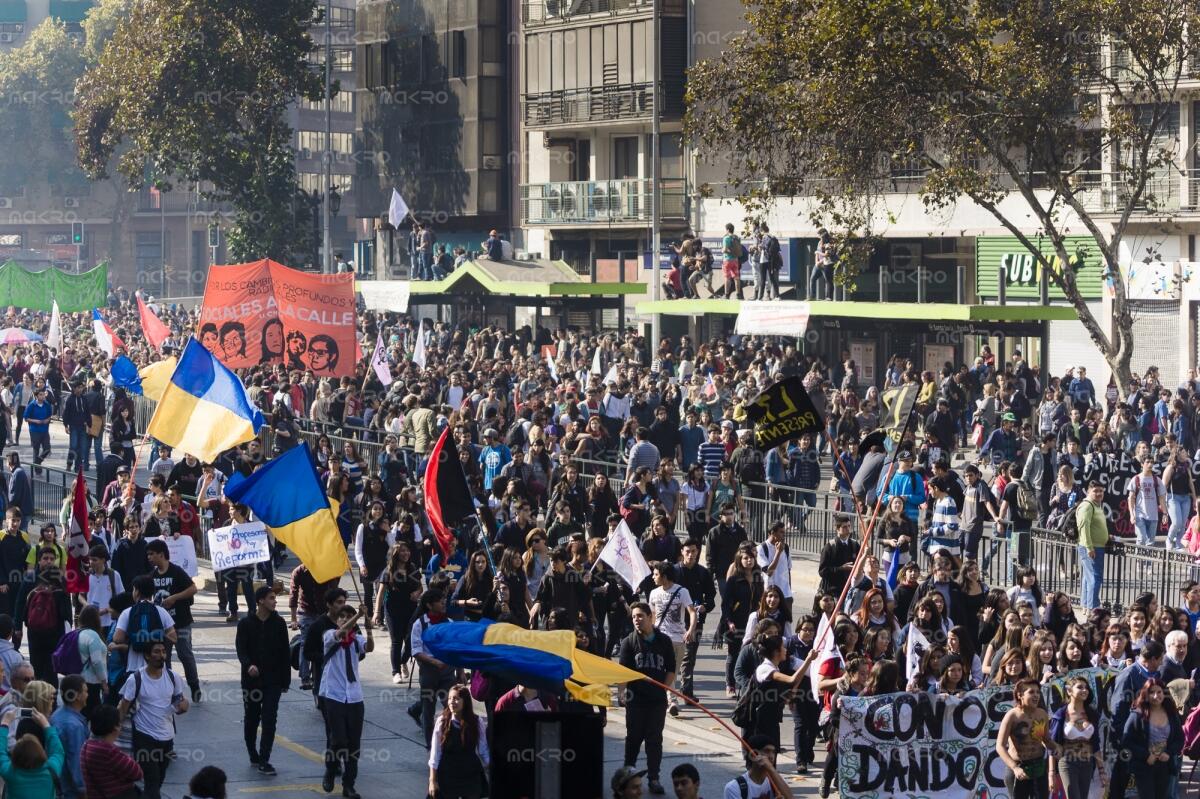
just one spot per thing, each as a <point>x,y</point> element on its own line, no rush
<point>214,235</point>
<point>77,233</point>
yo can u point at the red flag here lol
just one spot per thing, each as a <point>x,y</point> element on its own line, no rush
<point>447,499</point>
<point>156,332</point>
<point>78,539</point>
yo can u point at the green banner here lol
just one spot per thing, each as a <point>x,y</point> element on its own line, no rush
<point>38,290</point>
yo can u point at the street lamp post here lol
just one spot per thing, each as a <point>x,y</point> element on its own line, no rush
<point>655,232</point>
<point>327,157</point>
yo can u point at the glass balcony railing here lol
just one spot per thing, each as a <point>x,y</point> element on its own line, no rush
<point>548,12</point>
<point>601,201</point>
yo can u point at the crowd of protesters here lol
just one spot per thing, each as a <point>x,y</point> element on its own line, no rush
<point>1040,451</point>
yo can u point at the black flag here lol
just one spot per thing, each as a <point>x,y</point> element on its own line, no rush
<point>782,412</point>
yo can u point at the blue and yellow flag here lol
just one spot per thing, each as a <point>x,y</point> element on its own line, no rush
<point>546,659</point>
<point>204,409</point>
<point>285,496</point>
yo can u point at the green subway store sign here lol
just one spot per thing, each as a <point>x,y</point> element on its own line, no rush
<point>1023,272</point>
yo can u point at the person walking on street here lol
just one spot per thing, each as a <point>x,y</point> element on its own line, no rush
<point>342,698</point>
<point>262,649</point>
<point>72,730</point>
<point>174,589</point>
<point>108,771</point>
<point>647,651</point>
<point>307,605</point>
<point>152,696</point>
<point>30,770</point>
<point>37,417</point>
<point>45,612</point>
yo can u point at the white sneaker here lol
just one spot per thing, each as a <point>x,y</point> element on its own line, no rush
<point>397,679</point>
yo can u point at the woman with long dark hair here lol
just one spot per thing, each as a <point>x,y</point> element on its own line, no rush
<point>458,755</point>
<point>695,491</point>
<point>603,504</point>
<point>1075,728</point>
<point>372,540</point>
<point>397,591</point>
<point>1154,739</point>
<point>473,589</point>
<point>743,592</point>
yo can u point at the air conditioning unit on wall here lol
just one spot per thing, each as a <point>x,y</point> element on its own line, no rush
<point>70,202</point>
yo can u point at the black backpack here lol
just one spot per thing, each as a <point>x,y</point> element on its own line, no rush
<point>746,711</point>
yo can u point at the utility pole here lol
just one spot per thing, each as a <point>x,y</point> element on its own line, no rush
<point>655,232</point>
<point>327,256</point>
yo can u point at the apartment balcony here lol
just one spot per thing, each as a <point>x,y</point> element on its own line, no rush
<point>601,202</point>
<point>177,202</point>
<point>588,105</point>
<point>552,12</point>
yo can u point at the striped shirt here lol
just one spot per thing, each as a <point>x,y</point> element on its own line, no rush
<point>712,455</point>
<point>944,531</point>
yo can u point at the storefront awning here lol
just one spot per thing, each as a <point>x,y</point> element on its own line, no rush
<point>514,278</point>
<point>880,311</point>
<point>70,10</point>
<point>12,11</point>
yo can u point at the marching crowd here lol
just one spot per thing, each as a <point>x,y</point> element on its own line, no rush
<point>90,696</point>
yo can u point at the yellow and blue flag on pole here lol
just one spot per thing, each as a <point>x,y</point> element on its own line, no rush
<point>546,659</point>
<point>204,409</point>
<point>285,496</point>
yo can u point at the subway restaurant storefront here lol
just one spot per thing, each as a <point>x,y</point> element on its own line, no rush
<point>1007,273</point>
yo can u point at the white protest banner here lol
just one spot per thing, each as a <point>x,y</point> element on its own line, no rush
<point>622,554</point>
<point>935,746</point>
<point>182,551</point>
<point>772,318</point>
<point>238,545</point>
<point>384,295</point>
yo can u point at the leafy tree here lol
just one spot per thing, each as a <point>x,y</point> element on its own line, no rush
<point>37,82</point>
<point>1064,103</point>
<point>196,92</point>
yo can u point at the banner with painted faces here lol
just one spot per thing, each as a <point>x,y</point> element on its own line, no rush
<point>266,313</point>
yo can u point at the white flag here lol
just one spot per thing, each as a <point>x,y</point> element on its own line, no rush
<point>622,554</point>
<point>418,356</point>
<point>828,651</point>
<point>380,364</point>
<point>917,645</point>
<point>397,210</point>
<point>550,365</point>
<point>54,337</point>
<point>611,377</point>
<point>596,362</point>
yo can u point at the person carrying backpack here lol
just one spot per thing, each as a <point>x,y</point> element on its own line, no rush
<point>44,610</point>
<point>152,697</point>
<point>1018,510</point>
<point>733,255</point>
<point>768,260</point>
<point>141,625</point>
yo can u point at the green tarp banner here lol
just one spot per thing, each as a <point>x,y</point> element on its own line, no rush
<point>38,290</point>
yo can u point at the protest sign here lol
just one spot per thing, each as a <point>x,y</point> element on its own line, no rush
<point>936,746</point>
<point>782,412</point>
<point>182,551</point>
<point>238,545</point>
<point>265,313</point>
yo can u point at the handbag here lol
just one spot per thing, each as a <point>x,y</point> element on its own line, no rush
<point>977,435</point>
<point>96,427</point>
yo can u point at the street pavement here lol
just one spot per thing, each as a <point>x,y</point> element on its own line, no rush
<point>394,758</point>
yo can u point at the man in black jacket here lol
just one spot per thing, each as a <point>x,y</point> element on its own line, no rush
<point>703,590</point>
<point>837,558</point>
<point>262,647</point>
<point>76,418</point>
<point>650,652</point>
<point>14,551</point>
<point>721,544</point>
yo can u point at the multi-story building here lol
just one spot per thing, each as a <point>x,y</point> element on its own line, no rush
<point>941,283</point>
<point>432,122</point>
<point>587,109</point>
<point>160,240</point>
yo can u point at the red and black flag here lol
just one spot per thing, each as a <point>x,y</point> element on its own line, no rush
<point>447,498</point>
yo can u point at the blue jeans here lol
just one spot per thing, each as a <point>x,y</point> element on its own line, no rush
<point>822,275</point>
<point>1147,531</point>
<point>98,450</point>
<point>1179,507</point>
<point>1092,575</point>
<point>79,450</point>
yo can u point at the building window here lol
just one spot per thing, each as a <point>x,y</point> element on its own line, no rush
<point>625,157</point>
<point>311,143</point>
<point>343,58</point>
<point>489,191</point>
<point>342,102</point>
<point>457,56</point>
<point>148,254</point>
<point>12,240</point>
<point>491,41</point>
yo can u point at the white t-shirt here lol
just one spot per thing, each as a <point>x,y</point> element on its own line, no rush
<point>756,789</point>
<point>136,659</point>
<point>1146,492</point>
<point>782,578</point>
<point>101,590</point>
<point>670,615</point>
<point>153,714</point>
